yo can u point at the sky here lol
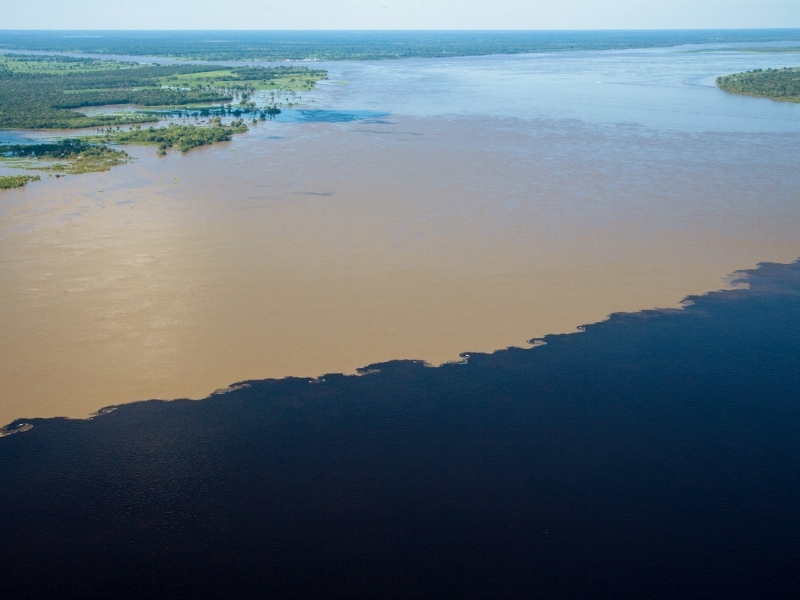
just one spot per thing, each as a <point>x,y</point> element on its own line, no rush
<point>398,14</point>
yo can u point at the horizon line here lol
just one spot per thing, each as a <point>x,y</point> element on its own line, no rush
<point>628,29</point>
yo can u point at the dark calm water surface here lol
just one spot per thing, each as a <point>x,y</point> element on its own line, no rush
<point>654,455</point>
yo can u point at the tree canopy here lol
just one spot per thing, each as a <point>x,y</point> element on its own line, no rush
<point>36,94</point>
<point>778,84</point>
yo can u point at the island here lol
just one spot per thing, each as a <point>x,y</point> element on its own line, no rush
<point>184,137</point>
<point>776,84</point>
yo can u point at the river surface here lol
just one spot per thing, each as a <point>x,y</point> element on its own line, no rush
<point>413,209</point>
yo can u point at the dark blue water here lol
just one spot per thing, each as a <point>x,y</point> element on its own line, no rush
<point>654,455</point>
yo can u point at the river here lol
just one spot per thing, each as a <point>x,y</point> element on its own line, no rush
<point>417,209</point>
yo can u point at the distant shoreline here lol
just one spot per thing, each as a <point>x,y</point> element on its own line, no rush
<point>302,46</point>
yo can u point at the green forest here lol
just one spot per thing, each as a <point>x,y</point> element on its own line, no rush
<point>46,92</point>
<point>365,45</point>
<point>42,92</point>
<point>778,84</point>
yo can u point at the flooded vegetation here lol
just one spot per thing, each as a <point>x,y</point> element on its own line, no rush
<point>14,181</point>
<point>182,137</point>
<point>44,92</point>
<point>69,156</point>
<point>41,92</point>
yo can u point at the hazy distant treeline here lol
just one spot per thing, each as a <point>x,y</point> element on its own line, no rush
<point>364,45</point>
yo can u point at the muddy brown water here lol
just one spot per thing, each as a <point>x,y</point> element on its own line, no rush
<point>307,248</point>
